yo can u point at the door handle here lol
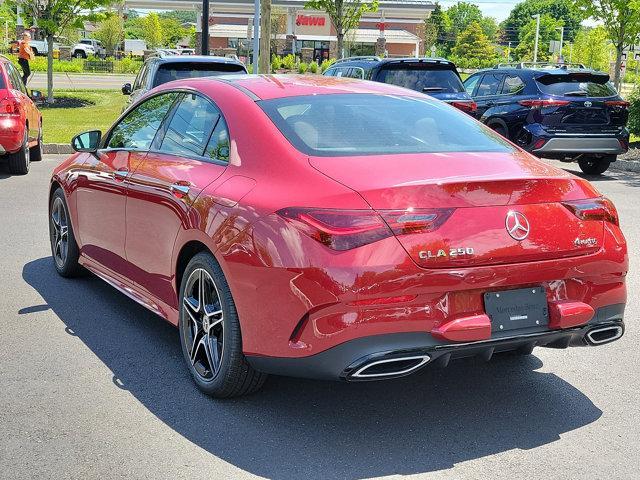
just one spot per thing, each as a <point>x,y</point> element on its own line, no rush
<point>180,189</point>
<point>120,175</point>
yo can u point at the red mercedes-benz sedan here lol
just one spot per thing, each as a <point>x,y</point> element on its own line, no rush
<point>334,228</point>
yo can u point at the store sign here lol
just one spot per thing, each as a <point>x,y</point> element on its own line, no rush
<point>312,23</point>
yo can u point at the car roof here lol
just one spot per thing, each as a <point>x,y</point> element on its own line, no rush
<point>378,61</point>
<point>267,87</point>
<point>195,59</point>
<point>542,71</point>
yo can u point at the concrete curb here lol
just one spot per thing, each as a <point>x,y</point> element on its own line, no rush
<point>57,148</point>
<point>626,166</point>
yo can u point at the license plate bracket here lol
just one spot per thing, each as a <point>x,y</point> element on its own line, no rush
<point>516,309</point>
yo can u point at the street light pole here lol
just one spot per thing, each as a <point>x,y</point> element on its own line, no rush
<point>535,47</point>
<point>205,27</point>
<point>561,42</point>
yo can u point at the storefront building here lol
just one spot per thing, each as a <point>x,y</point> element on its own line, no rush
<point>396,29</point>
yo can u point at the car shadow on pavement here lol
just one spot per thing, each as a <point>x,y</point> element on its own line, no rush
<point>308,429</point>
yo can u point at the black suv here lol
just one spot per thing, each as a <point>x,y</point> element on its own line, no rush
<point>162,69</point>
<point>561,111</point>
<point>436,77</point>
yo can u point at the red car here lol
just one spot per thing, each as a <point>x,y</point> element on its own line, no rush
<point>333,228</point>
<point>20,121</point>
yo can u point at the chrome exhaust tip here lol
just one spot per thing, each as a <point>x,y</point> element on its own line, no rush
<point>391,367</point>
<point>598,336</point>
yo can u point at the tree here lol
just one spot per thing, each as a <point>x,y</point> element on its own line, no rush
<point>8,18</point>
<point>548,31</point>
<point>53,16</point>
<point>172,31</point>
<point>111,33</point>
<point>462,14</point>
<point>590,48</point>
<point>559,9</point>
<point>489,27</point>
<point>473,48</point>
<point>152,30</point>
<point>264,57</point>
<point>345,15</point>
<point>621,20</point>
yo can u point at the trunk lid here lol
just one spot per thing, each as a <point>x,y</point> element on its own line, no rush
<point>480,191</point>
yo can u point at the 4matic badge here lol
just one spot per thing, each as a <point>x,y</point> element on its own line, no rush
<point>441,253</point>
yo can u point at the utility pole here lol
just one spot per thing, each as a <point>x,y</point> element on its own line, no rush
<point>509,53</point>
<point>561,41</point>
<point>256,35</point>
<point>205,27</point>
<point>535,47</point>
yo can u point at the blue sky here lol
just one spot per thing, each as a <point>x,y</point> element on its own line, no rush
<point>499,9</point>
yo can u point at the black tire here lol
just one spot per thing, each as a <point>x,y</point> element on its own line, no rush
<point>65,261</point>
<point>36,152</point>
<point>223,372</point>
<point>79,54</point>
<point>594,165</point>
<point>500,129</point>
<point>20,160</point>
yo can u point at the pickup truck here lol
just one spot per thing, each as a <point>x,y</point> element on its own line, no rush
<point>39,47</point>
<point>86,47</point>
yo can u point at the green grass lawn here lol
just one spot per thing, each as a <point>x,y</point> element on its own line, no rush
<point>62,124</point>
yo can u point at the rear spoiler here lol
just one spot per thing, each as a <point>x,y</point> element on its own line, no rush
<point>555,77</point>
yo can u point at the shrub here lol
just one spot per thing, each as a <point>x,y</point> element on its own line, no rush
<point>289,62</point>
<point>634,112</point>
<point>313,67</point>
<point>326,64</point>
<point>276,62</point>
<point>302,67</point>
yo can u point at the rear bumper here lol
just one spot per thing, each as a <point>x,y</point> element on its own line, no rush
<point>11,135</point>
<point>374,357</point>
<point>604,145</point>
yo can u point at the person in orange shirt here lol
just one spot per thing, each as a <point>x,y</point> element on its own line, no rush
<point>25,54</point>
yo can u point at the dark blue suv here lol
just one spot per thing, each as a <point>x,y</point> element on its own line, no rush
<point>560,111</point>
<point>435,77</point>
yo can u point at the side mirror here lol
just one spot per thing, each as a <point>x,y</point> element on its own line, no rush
<point>37,96</point>
<point>127,89</point>
<point>87,141</point>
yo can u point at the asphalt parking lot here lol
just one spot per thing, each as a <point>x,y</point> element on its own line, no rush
<point>93,386</point>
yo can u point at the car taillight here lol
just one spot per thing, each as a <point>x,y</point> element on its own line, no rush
<point>543,102</point>
<point>346,229</point>
<point>9,107</point>
<point>617,104</point>
<point>466,106</point>
<point>599,209</point>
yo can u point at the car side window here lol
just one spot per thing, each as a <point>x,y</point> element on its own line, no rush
<point>355,72</point>
<point>513,85</point>
<point>489,85</point>
<point>190,126</point>
<point>141,75</point>
<point>470,84</point>
<point>138,128</point>
<point>218,146</point>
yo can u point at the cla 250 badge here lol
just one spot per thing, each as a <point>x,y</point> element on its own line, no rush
<point>453,252</point>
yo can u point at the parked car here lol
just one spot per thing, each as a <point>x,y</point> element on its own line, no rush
<point>436,77</point>
<point>325,228</point>
<point>21,121</point>
<point>86,47</point>
<point>560,111</point>
<point>162,69</point>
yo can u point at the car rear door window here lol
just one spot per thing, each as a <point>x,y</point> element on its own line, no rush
<point>489,85</point>
<point>577,85</point>
<point>218,146</point>
<point>190,127</point>
<point>513,85</point>
<point>15,79</point>
<point>138,128</point>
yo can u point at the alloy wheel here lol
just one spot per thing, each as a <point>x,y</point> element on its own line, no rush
<point>60,232</point>
<point>203,324</point>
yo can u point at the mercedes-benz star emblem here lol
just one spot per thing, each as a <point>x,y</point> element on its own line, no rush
<point>517,225</point>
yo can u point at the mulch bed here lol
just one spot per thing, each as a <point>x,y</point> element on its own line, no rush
<point>67,102</point>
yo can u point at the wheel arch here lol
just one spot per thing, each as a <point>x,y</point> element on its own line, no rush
<point>492,122</point>
<point>189,250</point>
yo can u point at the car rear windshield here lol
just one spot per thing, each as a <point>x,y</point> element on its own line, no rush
<point>421,78</point>
<point>179,71</point>
<point>576,85</point>
<point>368,124</point>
